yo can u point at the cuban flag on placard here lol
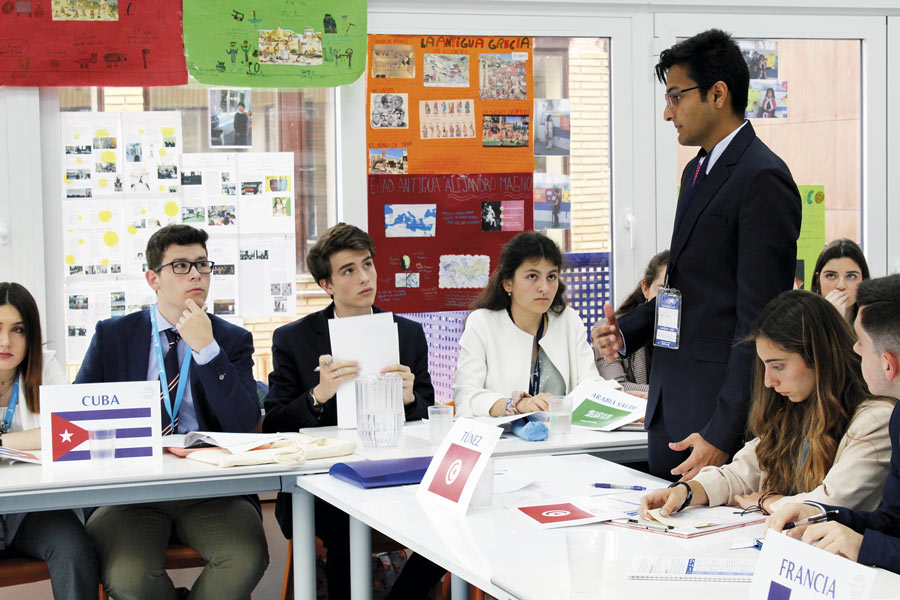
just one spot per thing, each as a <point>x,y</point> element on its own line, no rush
<point>70,412</point>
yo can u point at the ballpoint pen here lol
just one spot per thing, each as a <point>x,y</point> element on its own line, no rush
<point>616,486</point>
<point>828,515</point>
<point>650,526</point>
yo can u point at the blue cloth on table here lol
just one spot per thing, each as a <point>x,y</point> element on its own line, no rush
<point>530,428</point>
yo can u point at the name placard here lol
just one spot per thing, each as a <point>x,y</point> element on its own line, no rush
<point>790,569</point>
<point>457,466</point>
<point>124,417</point>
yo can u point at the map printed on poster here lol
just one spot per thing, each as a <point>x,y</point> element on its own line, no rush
<point>454,104</point>
<point>91,42</point>
<point>276,43</point>
<point>127,411</point>
<point>439,236</point>
<point>812,233</point>
<point>457,465</point>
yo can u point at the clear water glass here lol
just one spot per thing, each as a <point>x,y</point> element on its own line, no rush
<point>379,410</point>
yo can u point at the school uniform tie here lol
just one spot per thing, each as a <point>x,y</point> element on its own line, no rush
<point>172,374</point>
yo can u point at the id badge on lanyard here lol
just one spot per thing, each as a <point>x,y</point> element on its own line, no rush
<point>668,318</point>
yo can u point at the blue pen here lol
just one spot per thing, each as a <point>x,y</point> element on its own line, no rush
<point>616,486</point>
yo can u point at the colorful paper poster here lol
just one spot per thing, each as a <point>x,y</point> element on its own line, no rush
<point>552,201</point>
<point>552,131</point>
<point>812,233</point>
<point>438,236</point>
<point>276,43</point>
<point>456,104</point>
<point>91,42</point>
<point>767,99</point>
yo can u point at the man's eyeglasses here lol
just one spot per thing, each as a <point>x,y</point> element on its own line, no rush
<point>672,98</point>
<point>183,267</point>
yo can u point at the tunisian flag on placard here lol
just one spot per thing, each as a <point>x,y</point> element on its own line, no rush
<point>454,471</point>
<point>66,435</point>
<point>555,513</point>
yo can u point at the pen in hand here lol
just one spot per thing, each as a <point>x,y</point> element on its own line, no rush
<point>828,515</point>
<point>616,486</point>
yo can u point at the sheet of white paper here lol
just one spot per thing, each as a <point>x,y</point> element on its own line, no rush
<point>372,340</point>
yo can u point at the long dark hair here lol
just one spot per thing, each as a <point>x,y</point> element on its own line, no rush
<point>840,248</point>
<point>806,324</point>
<point>654,268</point>
<point>32,366</point>
<point>524,247</point>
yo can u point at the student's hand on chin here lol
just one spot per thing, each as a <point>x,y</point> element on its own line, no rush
<point>194,326</point>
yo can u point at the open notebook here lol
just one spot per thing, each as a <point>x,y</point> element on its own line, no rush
<point>675,568</point>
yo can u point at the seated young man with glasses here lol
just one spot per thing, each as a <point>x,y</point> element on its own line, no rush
<point>173,340</point>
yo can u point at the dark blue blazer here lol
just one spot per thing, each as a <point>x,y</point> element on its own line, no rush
<point>223,390</point>
<point>296,348</point>
<point>881,527</point>
<point>734,250</point>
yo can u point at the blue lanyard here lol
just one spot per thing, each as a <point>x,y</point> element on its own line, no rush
<point>11,407</point>
<point>163,380</point>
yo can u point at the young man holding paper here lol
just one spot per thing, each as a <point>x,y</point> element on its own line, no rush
<point>207,365</point>
<point>870,538</point>
<point>304,383</point>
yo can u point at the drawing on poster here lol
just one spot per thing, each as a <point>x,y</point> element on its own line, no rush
<point>505,130</point>
<point>552,204</point>
<point>503,76</point>
<point>410,220</point>
<point>551,127</point>
<point>388,161</point>
<point>281,206</point>
<point>77,10</point>
<point>761,57</point>
<point>287,47</point>
<point>767,99</point>
<point>389,111</point>
<point>222,215</point>
<point>393,61</point>
<point>464,270</point>
<point>230,118</point>
<point>441,119</point>
<point>446,70</point>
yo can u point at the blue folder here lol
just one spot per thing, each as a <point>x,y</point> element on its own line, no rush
<point>381,473</point>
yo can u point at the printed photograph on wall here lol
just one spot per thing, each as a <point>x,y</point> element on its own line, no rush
<point>446,70</point>
<point>552,205</point>
<point>767,99</point>
<point>761,57</point>
<point>440,119</point>
<point>393,61</point>
<point>505,131</point>
<point>388,161</point>
<point>389,111</point>
<point>551,127</point>
<point>503,76</point>
<point>286,47</point>
<point>230,118</point>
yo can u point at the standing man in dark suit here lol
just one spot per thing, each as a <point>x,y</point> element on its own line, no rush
<point>342,262</point>
<point>219,394</point>
<point>734,248</point>
<point>869,538</point>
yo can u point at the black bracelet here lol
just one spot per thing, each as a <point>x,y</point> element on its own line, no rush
<point>690,494</point>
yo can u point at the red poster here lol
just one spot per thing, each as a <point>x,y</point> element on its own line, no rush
<point>91,42</point>
<point>454,471</point>
<point>555,513</point>
<point>438,237</point>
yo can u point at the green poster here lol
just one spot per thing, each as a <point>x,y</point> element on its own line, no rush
<point>812,232</point>
<point>594,414</point>
<point>276,43</point>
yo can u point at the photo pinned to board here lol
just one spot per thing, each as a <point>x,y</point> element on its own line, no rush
<point>393,61</point>
<point>446,70</point>
<point>503,76</point>
<point>552,130</point>
<point>761,57</point>
<point>388,161</point>
<point>230,118</point>
<point>767,99</point>
<point>503,215</point>
<point>505,131</point>
<point>389,111</point>
<point>552,204</point>
<point>441,119</point>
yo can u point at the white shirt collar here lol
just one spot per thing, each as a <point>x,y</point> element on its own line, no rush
<point>162,322</point>
<point>719,148</point>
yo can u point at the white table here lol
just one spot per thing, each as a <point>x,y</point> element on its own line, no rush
<point>502,553</point>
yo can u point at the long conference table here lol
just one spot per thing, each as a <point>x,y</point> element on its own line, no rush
<point>27,487</point>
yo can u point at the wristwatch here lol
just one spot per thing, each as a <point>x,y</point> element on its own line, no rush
<point>690,494</point>
<point>316,406</point>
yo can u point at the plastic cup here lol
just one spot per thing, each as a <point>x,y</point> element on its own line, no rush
<point>440,419</point>
<point>586,551</point>
<point>379,410</point>
<point>102,443</point>
<point>560,415</point>
<point>484,491</point>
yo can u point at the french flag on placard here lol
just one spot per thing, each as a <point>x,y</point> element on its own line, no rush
<point>70,412</point>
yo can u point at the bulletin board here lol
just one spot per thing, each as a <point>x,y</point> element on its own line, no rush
<point>91,42</point>
<point>449,163</point>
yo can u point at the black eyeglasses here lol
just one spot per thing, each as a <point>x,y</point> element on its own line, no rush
<point>672,98</point>
<point>183,267</point>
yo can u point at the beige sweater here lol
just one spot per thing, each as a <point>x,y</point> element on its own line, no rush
<point>855,479</point>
